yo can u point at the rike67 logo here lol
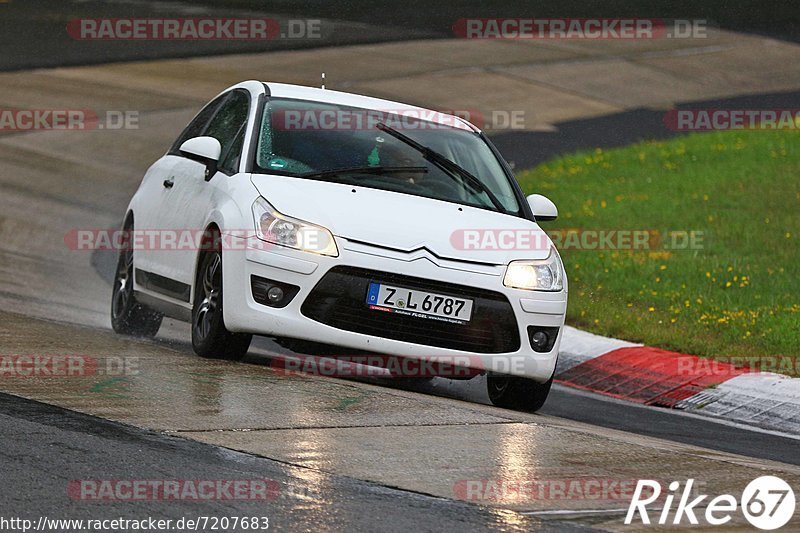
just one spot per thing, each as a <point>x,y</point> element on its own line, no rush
<point>767,502</point>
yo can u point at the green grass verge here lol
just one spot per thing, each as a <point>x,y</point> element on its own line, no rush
<point>739,295</point>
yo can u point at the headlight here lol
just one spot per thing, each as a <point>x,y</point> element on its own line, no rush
<point>276,228</point>
<point>542,275</point>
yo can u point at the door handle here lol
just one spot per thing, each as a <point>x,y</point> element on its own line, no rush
<point>168,183</point>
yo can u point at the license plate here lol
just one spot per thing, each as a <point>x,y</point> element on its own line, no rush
<point>418,303</point>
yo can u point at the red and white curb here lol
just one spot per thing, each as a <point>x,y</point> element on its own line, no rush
<point>653,376</point>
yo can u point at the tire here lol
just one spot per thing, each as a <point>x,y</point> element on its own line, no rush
<point>518,393</point>
<point>128,316</point>
<point>210,338</point>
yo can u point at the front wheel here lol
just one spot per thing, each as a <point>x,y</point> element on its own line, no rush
<point>210,337</point>
<point>514,392</point>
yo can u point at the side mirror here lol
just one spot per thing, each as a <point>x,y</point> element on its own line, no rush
<point>205,150</point>
<point>543,208</point>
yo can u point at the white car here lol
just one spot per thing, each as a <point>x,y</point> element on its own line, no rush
<point>339,219</point>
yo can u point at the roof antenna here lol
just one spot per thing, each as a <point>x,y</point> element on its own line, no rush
<point>323,80</point>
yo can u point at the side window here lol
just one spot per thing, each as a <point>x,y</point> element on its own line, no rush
<point>228,126</point>
<point>230,161</point>
<point>198,125</point>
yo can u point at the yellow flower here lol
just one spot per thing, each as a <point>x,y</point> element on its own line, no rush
<point>651,309</point>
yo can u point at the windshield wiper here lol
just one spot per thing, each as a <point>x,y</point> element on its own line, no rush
<point>362,170</point>
<point>450,168</point>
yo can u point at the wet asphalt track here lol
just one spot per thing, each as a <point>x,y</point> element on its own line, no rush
<point>45,447</point>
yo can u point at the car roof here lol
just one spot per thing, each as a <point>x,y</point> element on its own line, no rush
<point>315,94</point>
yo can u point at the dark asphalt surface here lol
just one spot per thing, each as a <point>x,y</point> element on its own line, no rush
<point>45,447</point>
<point>33,32</point>
<point>527,149</point>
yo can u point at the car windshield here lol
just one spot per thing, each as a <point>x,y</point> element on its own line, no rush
<point>396,152</point>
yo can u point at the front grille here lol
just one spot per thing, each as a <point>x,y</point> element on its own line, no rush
<point>339,300</point>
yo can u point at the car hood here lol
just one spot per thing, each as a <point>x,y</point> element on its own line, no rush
<point>405,222</point>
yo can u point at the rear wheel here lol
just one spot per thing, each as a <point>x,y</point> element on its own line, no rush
<point>128,316</point>
<point>514,392</point>
<point>210,337</point>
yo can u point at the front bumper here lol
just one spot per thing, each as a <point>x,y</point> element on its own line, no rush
<point>496,339</point>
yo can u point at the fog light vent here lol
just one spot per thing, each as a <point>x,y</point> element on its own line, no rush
<point>272,293</point>
<point>542,338</point>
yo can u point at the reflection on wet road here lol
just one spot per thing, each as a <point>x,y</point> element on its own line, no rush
<point>326,426</point>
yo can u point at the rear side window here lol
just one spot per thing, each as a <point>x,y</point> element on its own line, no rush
<point>198,124</point>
